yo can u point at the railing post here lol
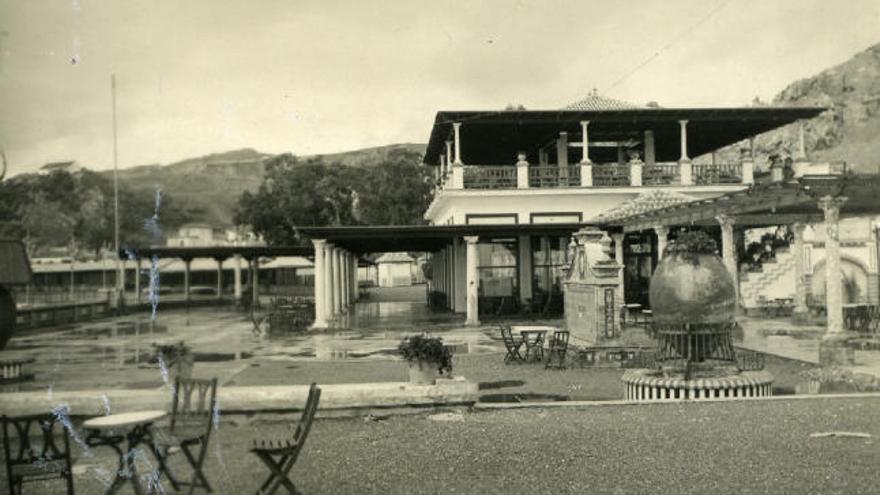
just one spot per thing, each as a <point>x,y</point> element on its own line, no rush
<point>586,174</point>
<point>635,171</point>
<point>457,176</point>
<point>522,171</point>
<point>748,166</point>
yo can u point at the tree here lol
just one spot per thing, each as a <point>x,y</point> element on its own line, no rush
<point>395,192</point>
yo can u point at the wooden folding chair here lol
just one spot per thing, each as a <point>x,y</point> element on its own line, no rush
<point>557,349</point>
<point>192,414</point>
<point>280,455</point>
<point>32,454</point>
<point>512,345</point>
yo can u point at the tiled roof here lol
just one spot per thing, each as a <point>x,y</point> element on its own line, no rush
<point>644,202</point>
<point>594,102</point>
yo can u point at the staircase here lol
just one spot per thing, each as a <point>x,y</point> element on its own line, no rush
<point>776,279</point>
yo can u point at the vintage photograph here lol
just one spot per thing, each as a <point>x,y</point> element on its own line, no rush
<point>440,246</point>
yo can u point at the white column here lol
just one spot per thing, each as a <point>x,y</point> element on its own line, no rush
<point>335,281</point>
<point>728,248</point>
<point>449,156</point>
<point>460,272</point>
<point>343,281</point>
<point>255,286</point>
<point>472,282</point>
<point>685,170</point>
<point>522,171</point>
<point>320,295</point>
<point>585,141</point>
<point>328,281</point>
<point>662,234</point>
<point>618,257</point>
<point>456,129</point>
<point>354,278</point>
<point>237,273</point>
<point>186,267</point>
<point>833,294</point>
<point>800,287</point>
<point>748,166</point>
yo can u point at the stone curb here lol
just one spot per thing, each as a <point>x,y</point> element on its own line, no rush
<point>251,399</point>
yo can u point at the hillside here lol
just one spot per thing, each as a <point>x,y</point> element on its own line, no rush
<point>849,131</point>
<point>214,182</point>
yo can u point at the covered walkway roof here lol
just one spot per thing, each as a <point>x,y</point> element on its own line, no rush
<point>217,252</point>
<point>495,137</point>
<point>391,238</point>
<point>766,204</point>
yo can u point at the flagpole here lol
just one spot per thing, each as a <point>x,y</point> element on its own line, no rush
<point>120,274</point>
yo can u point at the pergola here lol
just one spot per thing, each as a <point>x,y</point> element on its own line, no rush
<point>798,202</point>
<point>337,247</point>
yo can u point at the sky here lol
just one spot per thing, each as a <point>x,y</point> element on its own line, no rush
<point>309,77</point>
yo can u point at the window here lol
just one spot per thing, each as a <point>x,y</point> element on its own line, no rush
<point>497,267</point>
<point>549,260</point>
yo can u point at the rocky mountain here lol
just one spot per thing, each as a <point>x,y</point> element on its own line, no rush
<point>849,131</point>
<point>213,183</point>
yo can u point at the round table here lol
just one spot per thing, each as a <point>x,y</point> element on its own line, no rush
<point>114,429</point>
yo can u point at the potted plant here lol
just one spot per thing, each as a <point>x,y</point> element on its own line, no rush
<point>178,358</point>
<point>428,358</point>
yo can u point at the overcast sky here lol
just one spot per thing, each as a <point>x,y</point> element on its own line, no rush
<point>196,77</point>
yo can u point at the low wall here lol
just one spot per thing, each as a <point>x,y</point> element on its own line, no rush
<point>454,391</point>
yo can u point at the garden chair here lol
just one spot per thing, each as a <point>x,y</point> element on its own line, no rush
<point>512,345</point>
<point>279,455</point>
<point>191,425</point>
<point>557,349</point>
<point>34,454</point>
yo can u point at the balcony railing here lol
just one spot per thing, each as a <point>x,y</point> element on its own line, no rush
<point>611,175</point>
<point>502,177</point>
<point>661,174</point>
<point>554,176</point>
<point>726,173</point>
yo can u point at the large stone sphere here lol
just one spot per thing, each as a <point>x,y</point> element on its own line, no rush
<point>692,288</point>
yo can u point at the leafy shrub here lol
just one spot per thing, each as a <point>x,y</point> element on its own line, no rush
<point>426,349</point>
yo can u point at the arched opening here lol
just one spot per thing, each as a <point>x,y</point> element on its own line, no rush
<point>853,280</point>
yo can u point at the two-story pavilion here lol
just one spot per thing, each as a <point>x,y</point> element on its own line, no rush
<point>513,185</point>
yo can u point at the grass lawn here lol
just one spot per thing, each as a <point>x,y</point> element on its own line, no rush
<point>746,447</point>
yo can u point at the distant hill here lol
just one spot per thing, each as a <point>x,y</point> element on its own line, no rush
<point>213,183</point>
<point>848,131</point>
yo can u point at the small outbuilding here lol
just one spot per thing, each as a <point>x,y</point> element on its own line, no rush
<point>395,269</point>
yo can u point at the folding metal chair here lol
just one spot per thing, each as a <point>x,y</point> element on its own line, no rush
<point>32,454</point>
<point>280,455</point>
<point>192,411</point>
<point>512,345</point>
<point>557,349</point>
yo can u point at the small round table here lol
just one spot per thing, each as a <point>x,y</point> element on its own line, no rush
<point>114,429</point>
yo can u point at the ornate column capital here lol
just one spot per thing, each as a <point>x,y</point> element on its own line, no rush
<point>661,230</point>
<point>618,237</point>
<point>726,221</point>
<point>319,243</point>
<point>831,206</point>
<point>472,239</point>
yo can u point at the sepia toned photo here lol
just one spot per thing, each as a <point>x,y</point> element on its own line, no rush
<point>436,246</point>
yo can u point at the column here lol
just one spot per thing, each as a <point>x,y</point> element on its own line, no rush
<point>460,274</point>
<point>137,280</point>
<point>255,279</point>
<point>449,157</point>
<point>585,141</point>
<point>219,279</point>
<point>662,234</point>
<point>472,282</point>
<point>522,171</point>
<point>334,281</point>
<point>800,288</point>
<point>525,269</point>
<point>684,162</point>
<point>832,348</point>
<point>618,257</point>
<point>748,166</point>
<point>650,150</point>
<point>354,278</point>
<point>728,249</point>
<point>320,298</point>
<point>456,129</point>
<point>328,281</point>
<point>346,280</point>
<point>186,267</point>
<point>237,273</point>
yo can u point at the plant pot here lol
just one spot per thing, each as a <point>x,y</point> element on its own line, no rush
<point>423,373</point>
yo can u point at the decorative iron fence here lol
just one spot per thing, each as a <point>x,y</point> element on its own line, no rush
<point>479,177</point>
<point>661,174</point>
<point>555,176</point>
<point>725,173</point>
<point>611,175</point>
